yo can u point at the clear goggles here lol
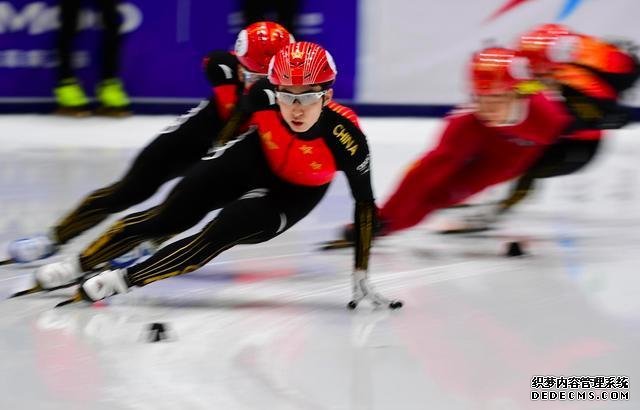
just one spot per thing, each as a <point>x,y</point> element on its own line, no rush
<point>250,77</point>
<point>303,99</point>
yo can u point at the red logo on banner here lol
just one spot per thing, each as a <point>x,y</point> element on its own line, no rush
<point>505,8</point>
<point>566,11</point>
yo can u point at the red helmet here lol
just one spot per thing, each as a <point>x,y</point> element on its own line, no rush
<point>257,43</point>
<point>535,45</point>
<point>302,63</point>
<point>495,70</point>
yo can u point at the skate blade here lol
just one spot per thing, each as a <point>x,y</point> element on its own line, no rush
<point>463,231</point>
<point>114,112</point>
<point>336,244</point>
<point>35,289</point>
<point>74,299</point>
<point>38,288</point>
<point>477,205</point>
<point>7,262</point>
<point>79,112</point>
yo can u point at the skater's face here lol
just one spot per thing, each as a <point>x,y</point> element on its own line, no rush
<point>301,105</point>
<point>495,109</point>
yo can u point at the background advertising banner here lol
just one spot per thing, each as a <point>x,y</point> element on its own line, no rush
<point>400,52</point>
<point>163,43</point>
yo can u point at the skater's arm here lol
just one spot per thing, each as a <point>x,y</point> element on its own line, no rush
<point>364,215</point>
<point>221,69</point>
<point>353,157</point>
<point>257,98</point>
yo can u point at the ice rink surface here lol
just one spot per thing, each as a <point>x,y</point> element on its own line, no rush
<point>265,326</point>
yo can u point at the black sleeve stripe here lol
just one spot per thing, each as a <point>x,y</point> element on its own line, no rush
<point>364,233</point>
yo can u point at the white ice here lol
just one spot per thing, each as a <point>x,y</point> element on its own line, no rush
<point>265,326</point>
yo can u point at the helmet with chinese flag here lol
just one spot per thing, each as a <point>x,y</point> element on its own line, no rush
<point>302,63</point>
<point>496,70</point>
<point>538,46</point>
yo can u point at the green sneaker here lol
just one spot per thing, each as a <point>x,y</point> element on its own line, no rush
<point>111,94</point>
<point>69,94</point>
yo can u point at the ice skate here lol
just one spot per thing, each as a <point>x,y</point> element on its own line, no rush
<point>59,274</point>
<point>71,99</point>
<point>480,221</point>
<point>54,276</point>
<point>100,286</point>
<point>114,101</point>
<point>31,249</point>
<point>137,254</point>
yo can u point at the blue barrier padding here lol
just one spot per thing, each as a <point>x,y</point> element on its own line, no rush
<point>363,110</point>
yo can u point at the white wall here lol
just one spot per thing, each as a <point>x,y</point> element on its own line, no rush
<point>416,51</point>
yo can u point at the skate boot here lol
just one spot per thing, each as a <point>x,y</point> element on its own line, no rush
<point>71,98</point>
<point>114,101</point>
<point>103,285</point>
<point>59,274</point>
<point>137,254</point>
<point>27,250</point>
<point>479,221</point>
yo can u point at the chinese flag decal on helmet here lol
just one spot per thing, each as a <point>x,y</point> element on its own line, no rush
<point>302,63</point>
